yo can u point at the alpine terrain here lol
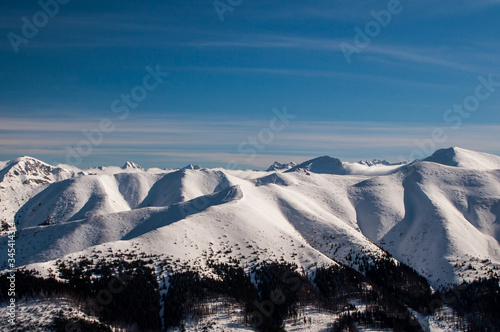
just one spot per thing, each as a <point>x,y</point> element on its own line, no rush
<point>316,246</point>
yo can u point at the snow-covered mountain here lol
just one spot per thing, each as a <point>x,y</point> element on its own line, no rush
<point>131,165</point>
<point>376,162</point>
<point>465,159</point>
<point>20,180</point>
<point>276,166</point>
<point>439,215</point>
<point>321,165</point>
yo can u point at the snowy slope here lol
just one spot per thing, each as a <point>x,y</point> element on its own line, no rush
<point>371,169</point>
<point>131,165</point>
<point>451,217</point>
<point>23,178</point>
<point>321,165</point>
<point>459,157</point>
<point>329,165</point>
<point>38,314</point>
<point>73,199</point>
<point>185,184</point>
<point>276,166</point>
<point>88,194</point>
<point>442,219</point>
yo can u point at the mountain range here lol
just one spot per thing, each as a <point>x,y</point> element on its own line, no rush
<point>439,215</point>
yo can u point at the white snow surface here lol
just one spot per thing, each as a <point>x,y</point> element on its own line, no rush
<point>23,178</point>
<point>3,164</point>
<point>131,165</point>
<point>276,166</point>
<point>440,218</point>
<point>459,157</point>
<point>37,314</point>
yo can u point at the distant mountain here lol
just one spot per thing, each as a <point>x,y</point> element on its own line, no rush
<point>321,165</point>
<point>192,167</point>
<point>131,165</point>
<point>29,171</point>
<point>21,179</point>
<point>334,166</point>
<point>459,157</point>
<point>276,166</point>
<point>377,162</point>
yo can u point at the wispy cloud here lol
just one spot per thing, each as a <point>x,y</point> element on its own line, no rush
<point>268,41</point>
<point>411,54</point>
<point>358,11</point>
<point>427,55</point>
<point>114,30</point>
<point>215,143</point>
<point>453,7</point>
<point>311,73</point>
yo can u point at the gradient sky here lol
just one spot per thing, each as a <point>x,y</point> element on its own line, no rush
<point>227,76</point>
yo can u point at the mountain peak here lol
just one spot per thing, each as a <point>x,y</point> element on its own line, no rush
<point>321,165</point>
<point>445,156</point>
<point>131,165</point>
<point>27,166</point>
<point>459,157</point>
<point>32,171</point>
<point>378,162</point>
<point>27,159</point>
<point>276,166</point>
<point>192,167</point>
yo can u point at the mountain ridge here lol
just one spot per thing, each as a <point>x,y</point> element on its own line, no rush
<point>437,218</point>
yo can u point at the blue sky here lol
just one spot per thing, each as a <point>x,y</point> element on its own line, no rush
<point>227,76</point>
